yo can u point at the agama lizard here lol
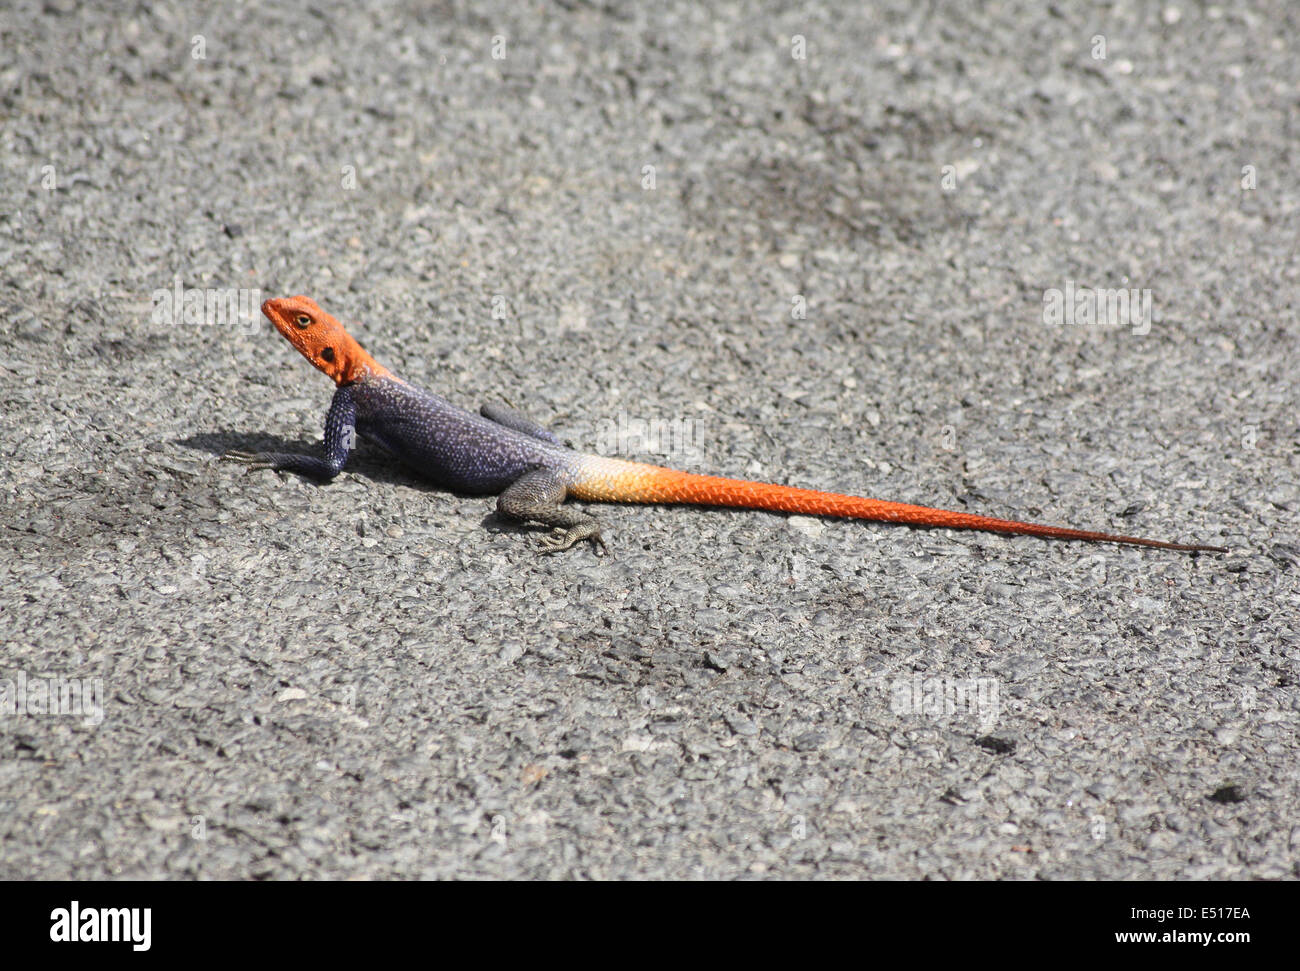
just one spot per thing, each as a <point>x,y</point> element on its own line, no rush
<point>532,473</point>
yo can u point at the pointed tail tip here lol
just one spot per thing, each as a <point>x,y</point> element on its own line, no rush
<point>1183,547</point>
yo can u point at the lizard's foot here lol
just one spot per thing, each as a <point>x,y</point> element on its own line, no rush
<point>562,541</point>
<point>254,460</point>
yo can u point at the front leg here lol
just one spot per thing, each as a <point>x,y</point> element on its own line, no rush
<point>340,440</point>
<point>537,496</point>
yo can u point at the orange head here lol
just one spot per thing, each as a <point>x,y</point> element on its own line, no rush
<point>321,339</point>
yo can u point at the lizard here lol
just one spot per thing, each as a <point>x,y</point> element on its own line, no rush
<point>501,452</point>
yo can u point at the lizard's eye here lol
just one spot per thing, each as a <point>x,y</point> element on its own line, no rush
<point>302,320</point>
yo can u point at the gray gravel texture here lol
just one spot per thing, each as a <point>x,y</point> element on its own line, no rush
<point>376,679</point>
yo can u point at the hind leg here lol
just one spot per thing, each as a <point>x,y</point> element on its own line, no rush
<point>538,497</point>
<point>505,415</point>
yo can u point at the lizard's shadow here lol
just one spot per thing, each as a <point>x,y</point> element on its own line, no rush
<point>368,460</point>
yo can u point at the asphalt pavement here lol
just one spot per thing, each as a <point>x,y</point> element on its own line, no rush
<point>1037,261</point>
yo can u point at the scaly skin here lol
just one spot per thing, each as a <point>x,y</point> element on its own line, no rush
<point>501,453</point>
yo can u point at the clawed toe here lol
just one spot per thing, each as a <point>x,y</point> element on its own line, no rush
<point>554,544</point>
<point>254,460</point>
<point>565,539</point>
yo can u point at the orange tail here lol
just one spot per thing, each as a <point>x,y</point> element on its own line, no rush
<point>611,480</point>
